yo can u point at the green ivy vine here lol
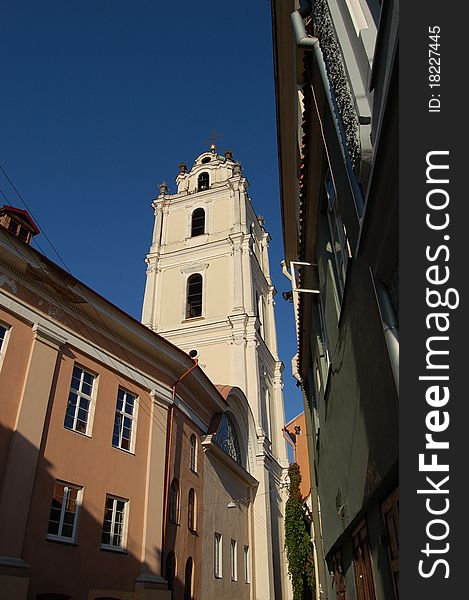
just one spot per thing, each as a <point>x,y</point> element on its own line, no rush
<point>298,547</point>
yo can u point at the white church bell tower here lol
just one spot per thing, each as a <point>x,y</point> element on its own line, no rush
<point>209,291</point>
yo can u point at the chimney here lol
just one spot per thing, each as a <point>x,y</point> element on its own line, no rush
<point>18,222</point>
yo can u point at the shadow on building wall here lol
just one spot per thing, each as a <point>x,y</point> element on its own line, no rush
<point>58,570</point>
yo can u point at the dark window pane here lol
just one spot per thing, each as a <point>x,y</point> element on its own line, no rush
<point>67,530</point>
<point>53,527</point>
<point>194,296</point>
<point>105,538</point>
<point>81,426</point>
<point>86,389</point>
<point>203,182</point>
<point>198,222</point>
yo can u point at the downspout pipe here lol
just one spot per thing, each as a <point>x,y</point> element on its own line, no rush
<point>168,457</point>
<point>389,324</point>
<point>289,441</point>
<point>307,42</point>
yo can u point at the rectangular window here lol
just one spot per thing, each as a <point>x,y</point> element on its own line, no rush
<point>80,398</point>
<point>234,560</point>
<point>218,556</point>
<point>3,334</point>
<point>390,510</point>
<point>362,564</point>
<point>63,516</point>
<point>124,420</point>
<point>3,339</point>
<point>247,570</point>
<point>339,242</point>
<point>115,523</point>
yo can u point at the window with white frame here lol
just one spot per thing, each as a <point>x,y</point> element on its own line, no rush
<point>63,517</point>
<point>4,331</point>
<point>3,335</point>
<point>203,182</point>
<point>194,296</point>
<point>124,420</point>
<point>247,577</point>
<point>198,222</point>
<point>218,558</point>
<point>77,416</point>
<point>115,523</point>
<point>193,449</point>
<point>339,242</point>
<point>233,560</point>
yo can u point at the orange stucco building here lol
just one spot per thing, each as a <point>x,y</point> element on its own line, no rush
<point>113,479</point>
<point>296,431</point>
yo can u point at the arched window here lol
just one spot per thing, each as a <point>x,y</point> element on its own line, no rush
<point>198,222</point>
<point>194,296</point>
<point>260,314</point>
<point>193,444</point>
<point>170,570</point>
<point>191,520</point>
<point>227,438</point>
<point>174,501</point>
<point>203,182</point>
<point>188,579</point>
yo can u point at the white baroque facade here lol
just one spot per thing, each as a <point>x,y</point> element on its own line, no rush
<point>209,291</point>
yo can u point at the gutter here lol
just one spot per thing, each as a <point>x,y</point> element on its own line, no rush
<point>389,324</point>
<point>309,43</point>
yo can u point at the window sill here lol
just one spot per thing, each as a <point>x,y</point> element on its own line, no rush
<point>87,435</point>
<point>113,549</point>
<point>130,452</point>
<point>60,540</point>
<point>193,471</point>
<point>190,319</point>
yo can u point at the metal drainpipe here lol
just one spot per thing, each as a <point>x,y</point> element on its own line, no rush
<point>389,324</point>
<point>306,42</point>
<point>168,459</point>
<point>289,441</point>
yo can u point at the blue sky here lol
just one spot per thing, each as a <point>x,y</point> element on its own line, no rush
<point>101,99</point>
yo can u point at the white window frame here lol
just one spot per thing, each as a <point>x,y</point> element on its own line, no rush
<point>234,560</point>
<point>197,207</point>
<point>247,566</point>
<point>339,242</point>
<point>4,341</point>
<point>218,555</point>
<point>80,394</point>
<point>123,415</point>
<point>65,500</point>
<point>125,518</point>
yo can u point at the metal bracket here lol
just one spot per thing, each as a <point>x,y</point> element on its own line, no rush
<point>294,286</point>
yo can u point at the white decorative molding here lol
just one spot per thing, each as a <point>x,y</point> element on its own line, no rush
<point>195,268</point>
